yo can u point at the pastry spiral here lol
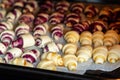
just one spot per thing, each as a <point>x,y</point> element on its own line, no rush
<point>97,39</point>
<point>56,18</point>
<point>84,53</point>
<point>71,37</point>
<point>52,47</point>
<point>47,64</point>
<point>6,25</point>
<point>21,62</point>
<point>100,54</point>
<point>7,36</point>
<point>55,57</point>
<point>41,41</point>
<point>72,19</point>
<point>110,38</point>
<point>114,54</point>
<point>70,61</point>
<point>91,11</point>
<point>21,29</point>
<point>86,38</point>
<point>57,31</point>
<point>14,15</point>
<point>77,8</point>
<point>69,48</point>
<point>12,54</point>
<point>31,55</point>
<point>24,41</point>
<point>98,25</point>
<point>41,18</point>
<point>106,14</point>
<point>40,29</point>
<point>62,6</point>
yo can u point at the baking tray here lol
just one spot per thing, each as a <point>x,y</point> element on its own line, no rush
<point>20,72</point>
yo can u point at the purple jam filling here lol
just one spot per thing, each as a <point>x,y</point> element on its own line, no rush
<point>59,34</point>
<point>72,16</point>
<point>38,42</point>
<point>93,9</point>
<point>38,28</point>
<point>29,58</point>
<point>20,29</point>
<point>34,51</point>
<point>55,29</point>
<point>7,40</point>
<point>46,48</point>
<point>18,43</point>
<point>54,22</point>
<point>1,52</point>
<point>9,55</point>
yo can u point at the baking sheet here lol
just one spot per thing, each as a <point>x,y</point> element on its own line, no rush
<point>89,65</point>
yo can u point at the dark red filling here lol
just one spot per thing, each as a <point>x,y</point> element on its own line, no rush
<point>38,28</point>
<point>9,55</point>
<point>18,43</point>
<point>38,42</point>
<point>29,58</point>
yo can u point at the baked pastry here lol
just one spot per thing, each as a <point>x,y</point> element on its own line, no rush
<point>42,40</point>
<point>3,13</point>
<point>30,6</point>
<point>5,25</point>
<point>70,61</point>
<point>55,57</point>
<point>56,18</point>
<point>84,53</point>
<point>57,31</point>
<point>111,38</point>
<point>106,14</point>
<point>21,62</point>
<point>72,19</point>
<point>12,54</point>
<point>97,39</point>
<point>85,38</point>
<point>27,18</point>
<point>40,29</point>
<point>47,64</point>
<point>77,8</point>
<point>98,25</point>
<point>3,48</point>
<point>13,15</point>
<point>115,26</point>
<point>71,37</point>
<point>31,55</point>
<point>91,11</point>
<point>62,6</point>
<point>24,41</point>
<point>83,26</point>
<point>47,6</point>
<point>41,18</point>
<point>19,4</point>
<point>6,4</point>
<point>100,54</point>
<point>116,12</point>
<point>114,54</point>
<point>69,48</point>
<point>21,29</point>
<point>7,36</point>
<point>52,47</point>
